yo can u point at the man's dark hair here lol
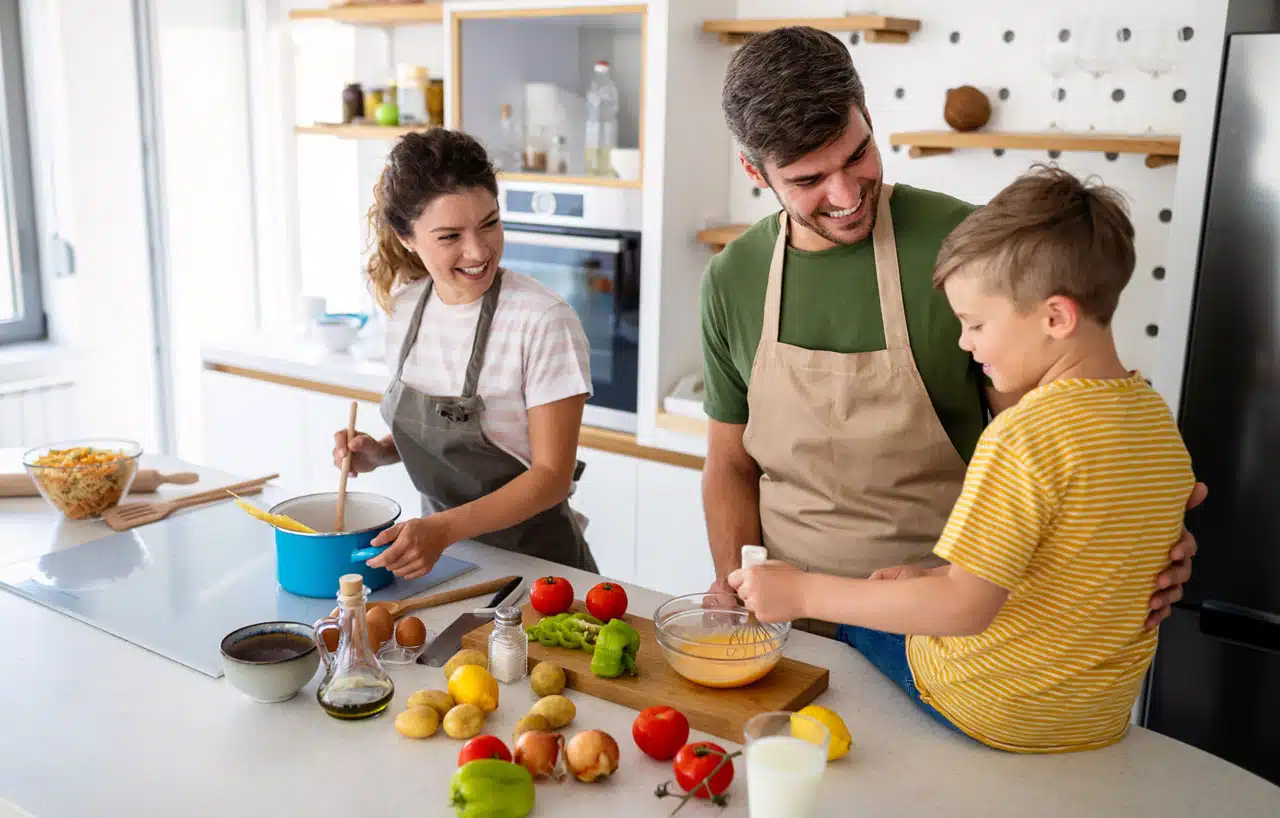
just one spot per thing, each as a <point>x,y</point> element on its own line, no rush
<point>789,92</point>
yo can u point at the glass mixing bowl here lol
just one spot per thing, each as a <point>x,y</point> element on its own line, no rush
<point>708,639</point>
<point>83,478</point>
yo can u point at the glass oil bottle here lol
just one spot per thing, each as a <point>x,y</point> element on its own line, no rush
<point>355,685</point>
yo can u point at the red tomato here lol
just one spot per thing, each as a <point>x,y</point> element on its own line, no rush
<point>483,747</point>
<point>607,601</point>
<point>695,762</point>
<point>551,595</point>
<point>660,731</point>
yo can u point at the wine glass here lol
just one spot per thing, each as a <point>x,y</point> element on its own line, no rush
<point>1153,47</point>
<point>1099,48</point>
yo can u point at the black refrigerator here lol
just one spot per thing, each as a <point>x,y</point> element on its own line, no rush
<point>1215,683</point>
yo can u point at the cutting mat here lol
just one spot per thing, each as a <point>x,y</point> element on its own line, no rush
<point>721,712</point>
<point>178,586</point>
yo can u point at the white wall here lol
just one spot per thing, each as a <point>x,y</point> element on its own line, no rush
<point>929,64</point>
<point>89,157</point>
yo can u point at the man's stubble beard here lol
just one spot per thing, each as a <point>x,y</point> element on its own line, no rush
<point>827,234</point>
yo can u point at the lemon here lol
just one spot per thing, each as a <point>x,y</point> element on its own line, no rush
<point>841,741</point>
<point>472,684</point>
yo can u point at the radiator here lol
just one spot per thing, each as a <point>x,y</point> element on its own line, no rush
<point>36,412</point>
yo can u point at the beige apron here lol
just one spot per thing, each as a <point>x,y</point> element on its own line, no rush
<point>857,470</point>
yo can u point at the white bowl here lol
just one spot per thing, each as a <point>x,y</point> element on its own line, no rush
<point>337,334</point>
<point>270,678</point>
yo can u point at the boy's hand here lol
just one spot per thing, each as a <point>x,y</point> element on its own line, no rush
<point>898,572</point>
<point>1169,583</point>
<point>773,590</point>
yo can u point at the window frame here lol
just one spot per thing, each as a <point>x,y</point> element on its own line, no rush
<point>19,193</point>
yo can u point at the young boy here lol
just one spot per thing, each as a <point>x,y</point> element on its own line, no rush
<point>1032,639</point>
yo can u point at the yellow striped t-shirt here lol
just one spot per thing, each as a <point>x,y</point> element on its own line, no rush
<point>1072,502</point>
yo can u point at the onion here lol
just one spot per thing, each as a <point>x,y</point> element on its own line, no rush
<point>538,751</point>
<point>591,754</point>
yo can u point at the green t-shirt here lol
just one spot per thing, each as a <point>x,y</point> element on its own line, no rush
<point>830,301</point>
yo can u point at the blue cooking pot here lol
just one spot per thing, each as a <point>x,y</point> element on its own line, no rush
<point>311,564</point>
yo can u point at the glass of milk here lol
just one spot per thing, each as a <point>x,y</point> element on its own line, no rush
<point>786,756</point>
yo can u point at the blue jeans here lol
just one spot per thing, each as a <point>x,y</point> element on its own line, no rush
<point>888,652</point>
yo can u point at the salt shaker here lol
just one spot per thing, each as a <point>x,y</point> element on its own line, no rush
<point>508,646</point>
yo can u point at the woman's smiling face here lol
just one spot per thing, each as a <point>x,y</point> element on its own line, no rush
<point>459,239</point>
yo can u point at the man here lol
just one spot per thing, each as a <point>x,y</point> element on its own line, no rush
<point>842,409</point>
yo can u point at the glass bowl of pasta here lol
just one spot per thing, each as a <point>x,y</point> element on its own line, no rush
<point>83,478</point>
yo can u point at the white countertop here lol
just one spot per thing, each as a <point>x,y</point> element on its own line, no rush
<point>93,725</point>
<point>297,356</point>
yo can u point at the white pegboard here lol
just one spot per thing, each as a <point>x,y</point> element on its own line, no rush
<point>1002,44</point>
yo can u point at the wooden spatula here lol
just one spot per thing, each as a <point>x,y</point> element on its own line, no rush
<point>146,481</point>
<point>132,515</point>
<point>340,523</point>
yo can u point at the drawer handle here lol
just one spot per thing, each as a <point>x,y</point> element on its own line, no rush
<point>1243,626</point>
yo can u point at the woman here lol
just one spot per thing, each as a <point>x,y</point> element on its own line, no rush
<point>492,369</point>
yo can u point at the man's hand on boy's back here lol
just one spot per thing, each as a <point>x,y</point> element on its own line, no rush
<point>1169,583</point>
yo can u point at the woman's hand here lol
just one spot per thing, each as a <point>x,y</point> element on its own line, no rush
<point>415,546</point>
<point>367,453</point>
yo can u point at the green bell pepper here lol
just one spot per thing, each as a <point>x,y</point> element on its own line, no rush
<point>490,788</point>
<point>615,651</point>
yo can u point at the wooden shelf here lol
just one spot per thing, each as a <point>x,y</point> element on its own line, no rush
<point>375,14</point>
<point>876,28</point>
<point>391,133</point>
<point>682,424</point>
<point>718,237</point>
<point>359,130</point>
<point>1160,149</point>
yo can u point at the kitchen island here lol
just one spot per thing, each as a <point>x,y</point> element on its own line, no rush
<point>94,725</point>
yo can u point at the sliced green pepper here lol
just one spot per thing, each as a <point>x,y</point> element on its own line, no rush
<point>490,788</point>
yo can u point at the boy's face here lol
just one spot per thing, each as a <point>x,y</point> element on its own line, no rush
<point>1013,346</point>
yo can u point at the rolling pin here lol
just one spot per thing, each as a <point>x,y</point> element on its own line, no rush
<point>146,481</point>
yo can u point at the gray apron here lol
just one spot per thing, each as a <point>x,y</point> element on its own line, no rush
<point>451,462</point>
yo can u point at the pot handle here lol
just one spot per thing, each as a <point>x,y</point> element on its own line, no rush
<point>364,554</point>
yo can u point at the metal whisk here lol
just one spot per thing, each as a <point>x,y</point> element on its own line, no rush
<point>753,632</point>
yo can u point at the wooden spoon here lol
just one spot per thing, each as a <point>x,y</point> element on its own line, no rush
<point>132,515</point>
<point>399,607</point>
<point>341,523</point>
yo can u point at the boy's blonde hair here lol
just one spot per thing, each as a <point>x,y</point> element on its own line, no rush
<point>1046,234</point>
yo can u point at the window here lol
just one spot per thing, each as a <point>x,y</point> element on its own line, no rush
<point>21,307</point>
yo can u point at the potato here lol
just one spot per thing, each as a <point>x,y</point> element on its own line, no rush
<point>437,700</point>
<point>547,679</point>
<point>465,657</point>
<point>557,710</point>
<point>533,721</point>
<point>418,722</point>
<point>464,721</point>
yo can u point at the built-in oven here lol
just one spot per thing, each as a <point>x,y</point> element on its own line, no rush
<point>584,244</point>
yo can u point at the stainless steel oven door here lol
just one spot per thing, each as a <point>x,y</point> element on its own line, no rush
<point>597,273</point>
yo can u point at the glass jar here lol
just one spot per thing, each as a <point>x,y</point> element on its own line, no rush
<point>411,94</point>
<point>508,646</point>
<point>352,103</point>
<point>355,685</point>
<point>435,103</point>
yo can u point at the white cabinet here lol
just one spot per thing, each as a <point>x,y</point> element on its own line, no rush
<point>253,427</point>
<point>606,495</point>
<point>672,552</point>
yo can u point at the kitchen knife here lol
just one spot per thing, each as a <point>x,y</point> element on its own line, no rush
<point>449,640</point>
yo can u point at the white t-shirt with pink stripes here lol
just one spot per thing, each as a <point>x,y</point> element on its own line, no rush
<point>537,353</point>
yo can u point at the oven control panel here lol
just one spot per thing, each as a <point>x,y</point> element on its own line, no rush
<point>563,205</point>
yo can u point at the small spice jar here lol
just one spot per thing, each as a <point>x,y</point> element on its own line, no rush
<point>352,103</point>
<point>508,646</point>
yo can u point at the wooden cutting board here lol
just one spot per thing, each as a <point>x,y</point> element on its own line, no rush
<point>721,712</point>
